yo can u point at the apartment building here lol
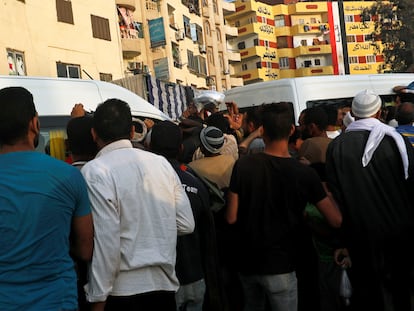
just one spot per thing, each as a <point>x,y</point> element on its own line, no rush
<point>363,56</point>
<point>60,38</point>
<point>178,41</point>
<point>181,41</point>
<point>283,39</point>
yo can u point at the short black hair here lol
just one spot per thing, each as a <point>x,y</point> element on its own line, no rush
<point>220,121</point>
<point>80,140</point>
<point>405,113</point>
<point>254,115</point>
<point>166,139</point>
<point>332,113</point>
<point>112,120</point>
<point>318,116</point>
<point>17,109</point>
<point>277,119</point>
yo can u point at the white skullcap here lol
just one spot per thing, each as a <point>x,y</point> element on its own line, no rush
<point>365,104</point>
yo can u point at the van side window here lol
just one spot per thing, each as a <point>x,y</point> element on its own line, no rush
<point>52,136</point>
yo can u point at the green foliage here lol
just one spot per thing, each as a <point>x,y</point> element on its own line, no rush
<point>394,26</point>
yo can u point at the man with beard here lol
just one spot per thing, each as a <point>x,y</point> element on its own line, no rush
<point>41,200</point>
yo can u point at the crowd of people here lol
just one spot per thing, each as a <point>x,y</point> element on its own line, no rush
<point>220,211</point>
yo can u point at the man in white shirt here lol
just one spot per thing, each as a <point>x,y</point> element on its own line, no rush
<point>138,208</point>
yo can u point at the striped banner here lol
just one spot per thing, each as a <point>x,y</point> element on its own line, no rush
<point>170,98</point>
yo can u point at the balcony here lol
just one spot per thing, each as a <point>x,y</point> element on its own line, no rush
<point>128,4</point>
<point>131,46</point>
<point>231,32</point>
<point>308,8</point>
<point>259,74</point>
<point>267,54</point>
<point>233,56</point>
<point>314,71</point>
<point>248,7</point>
<point>313,50</point>
<point>228,7</point>
<point>282,31</point>
<point>265,31</point>
<point>302,29</point>
<point>236,82</point>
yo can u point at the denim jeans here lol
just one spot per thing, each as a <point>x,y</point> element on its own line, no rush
<point>279,289</point>
<point>190,297</point>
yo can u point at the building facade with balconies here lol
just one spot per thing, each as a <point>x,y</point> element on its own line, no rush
<point>364,56</point>
<point>185,41</point>
<point>282,41</point>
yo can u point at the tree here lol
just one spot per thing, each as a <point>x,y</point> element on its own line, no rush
<point>394,26</point>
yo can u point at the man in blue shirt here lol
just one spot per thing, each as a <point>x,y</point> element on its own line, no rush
<point>43,201</point>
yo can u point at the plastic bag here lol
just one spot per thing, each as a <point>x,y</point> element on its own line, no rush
<point>345,288</point>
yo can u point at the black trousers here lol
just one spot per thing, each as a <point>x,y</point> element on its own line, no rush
<point>158,300</point>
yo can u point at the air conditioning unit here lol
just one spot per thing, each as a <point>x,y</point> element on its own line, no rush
<point>202,48</point>
<point>191,8</point>
<point>179,35</point>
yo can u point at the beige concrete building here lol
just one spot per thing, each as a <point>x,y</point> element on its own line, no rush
<point>180,41</point>
<point>60,38</point>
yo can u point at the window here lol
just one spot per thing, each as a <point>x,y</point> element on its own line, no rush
<point>371,59</point>
<point>100,28</point>
<point>241,45</point>
<point>105,77</point>
<point>207,28</point>
<point>244,66</point>
<point>308,63</point>
<point>64,11</point>
<point>187,27</point>
<point>368,38</point>
<point>350,38</point>
<point>301,21</point>
<point>282,42</point>
<point>202,66</point>
<point>353,59</point>
<point>237,24</point>
<point>284,62</point>
<point>218,32</point>
<point>349,18</point>
<point>313,20</point>
<point>279,21</point>
<point>210,56</point>
<point>192,61</point>
<point>317,62</point>
<point>68,70</point>
<point>17,65</point>
<point>199,32</point>
<point>304,42</point>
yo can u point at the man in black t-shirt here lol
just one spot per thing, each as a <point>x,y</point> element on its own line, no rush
<point>267,197</point>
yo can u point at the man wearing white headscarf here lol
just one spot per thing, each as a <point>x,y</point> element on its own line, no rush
<point>370,173</point>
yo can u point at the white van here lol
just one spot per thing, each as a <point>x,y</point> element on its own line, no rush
<point>55,97</point>
<point>310,91</point>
